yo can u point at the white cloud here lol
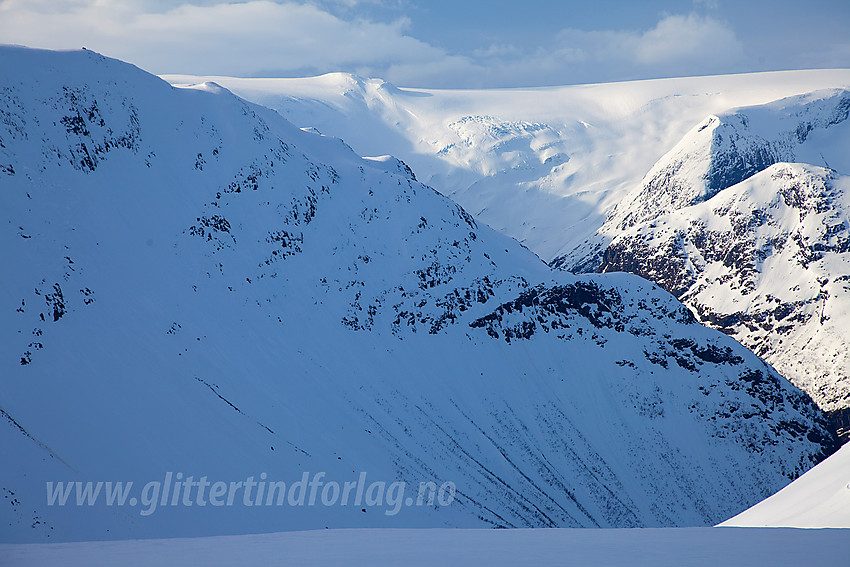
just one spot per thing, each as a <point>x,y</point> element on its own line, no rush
<point>288,38</point>
<point>676,45</point>
<point>688,38</point>
<point>240,38</point>
<point>691,39</point>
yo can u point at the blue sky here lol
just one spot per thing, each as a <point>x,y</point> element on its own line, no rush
<point>444,43</point>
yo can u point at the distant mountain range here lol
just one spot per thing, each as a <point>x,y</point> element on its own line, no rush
<point>644,177</point>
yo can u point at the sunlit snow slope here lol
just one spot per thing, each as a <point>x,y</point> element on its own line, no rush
<point>818,499</point>
<point>192,284</point>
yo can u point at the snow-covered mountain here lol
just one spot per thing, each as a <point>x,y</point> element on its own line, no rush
<point>195,286</point>
<point>544,165</point>
<point>564,170</point>
<point>756,246</point>
<point>766,261</point>
<point>723,150</point>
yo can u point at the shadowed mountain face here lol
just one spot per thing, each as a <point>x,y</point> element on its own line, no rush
<point>194,285</point>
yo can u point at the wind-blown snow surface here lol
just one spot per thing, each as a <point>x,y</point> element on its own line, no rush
<point>195,285</point>
<point>544,165</point>
<point>695,547</point>
<point>818,499</point>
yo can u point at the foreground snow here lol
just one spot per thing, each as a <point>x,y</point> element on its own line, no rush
<point>818,499</point>
<point>634,547</point>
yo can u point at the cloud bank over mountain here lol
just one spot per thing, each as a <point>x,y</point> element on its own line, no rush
<point>405,42</point>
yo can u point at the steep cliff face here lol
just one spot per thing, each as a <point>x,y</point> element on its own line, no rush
<point>194,285</point>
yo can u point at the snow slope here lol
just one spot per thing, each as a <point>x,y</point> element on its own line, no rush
<point>695,547</point>
<point>544,165</point>
<point>193,285</point>
<point>818,499</point>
